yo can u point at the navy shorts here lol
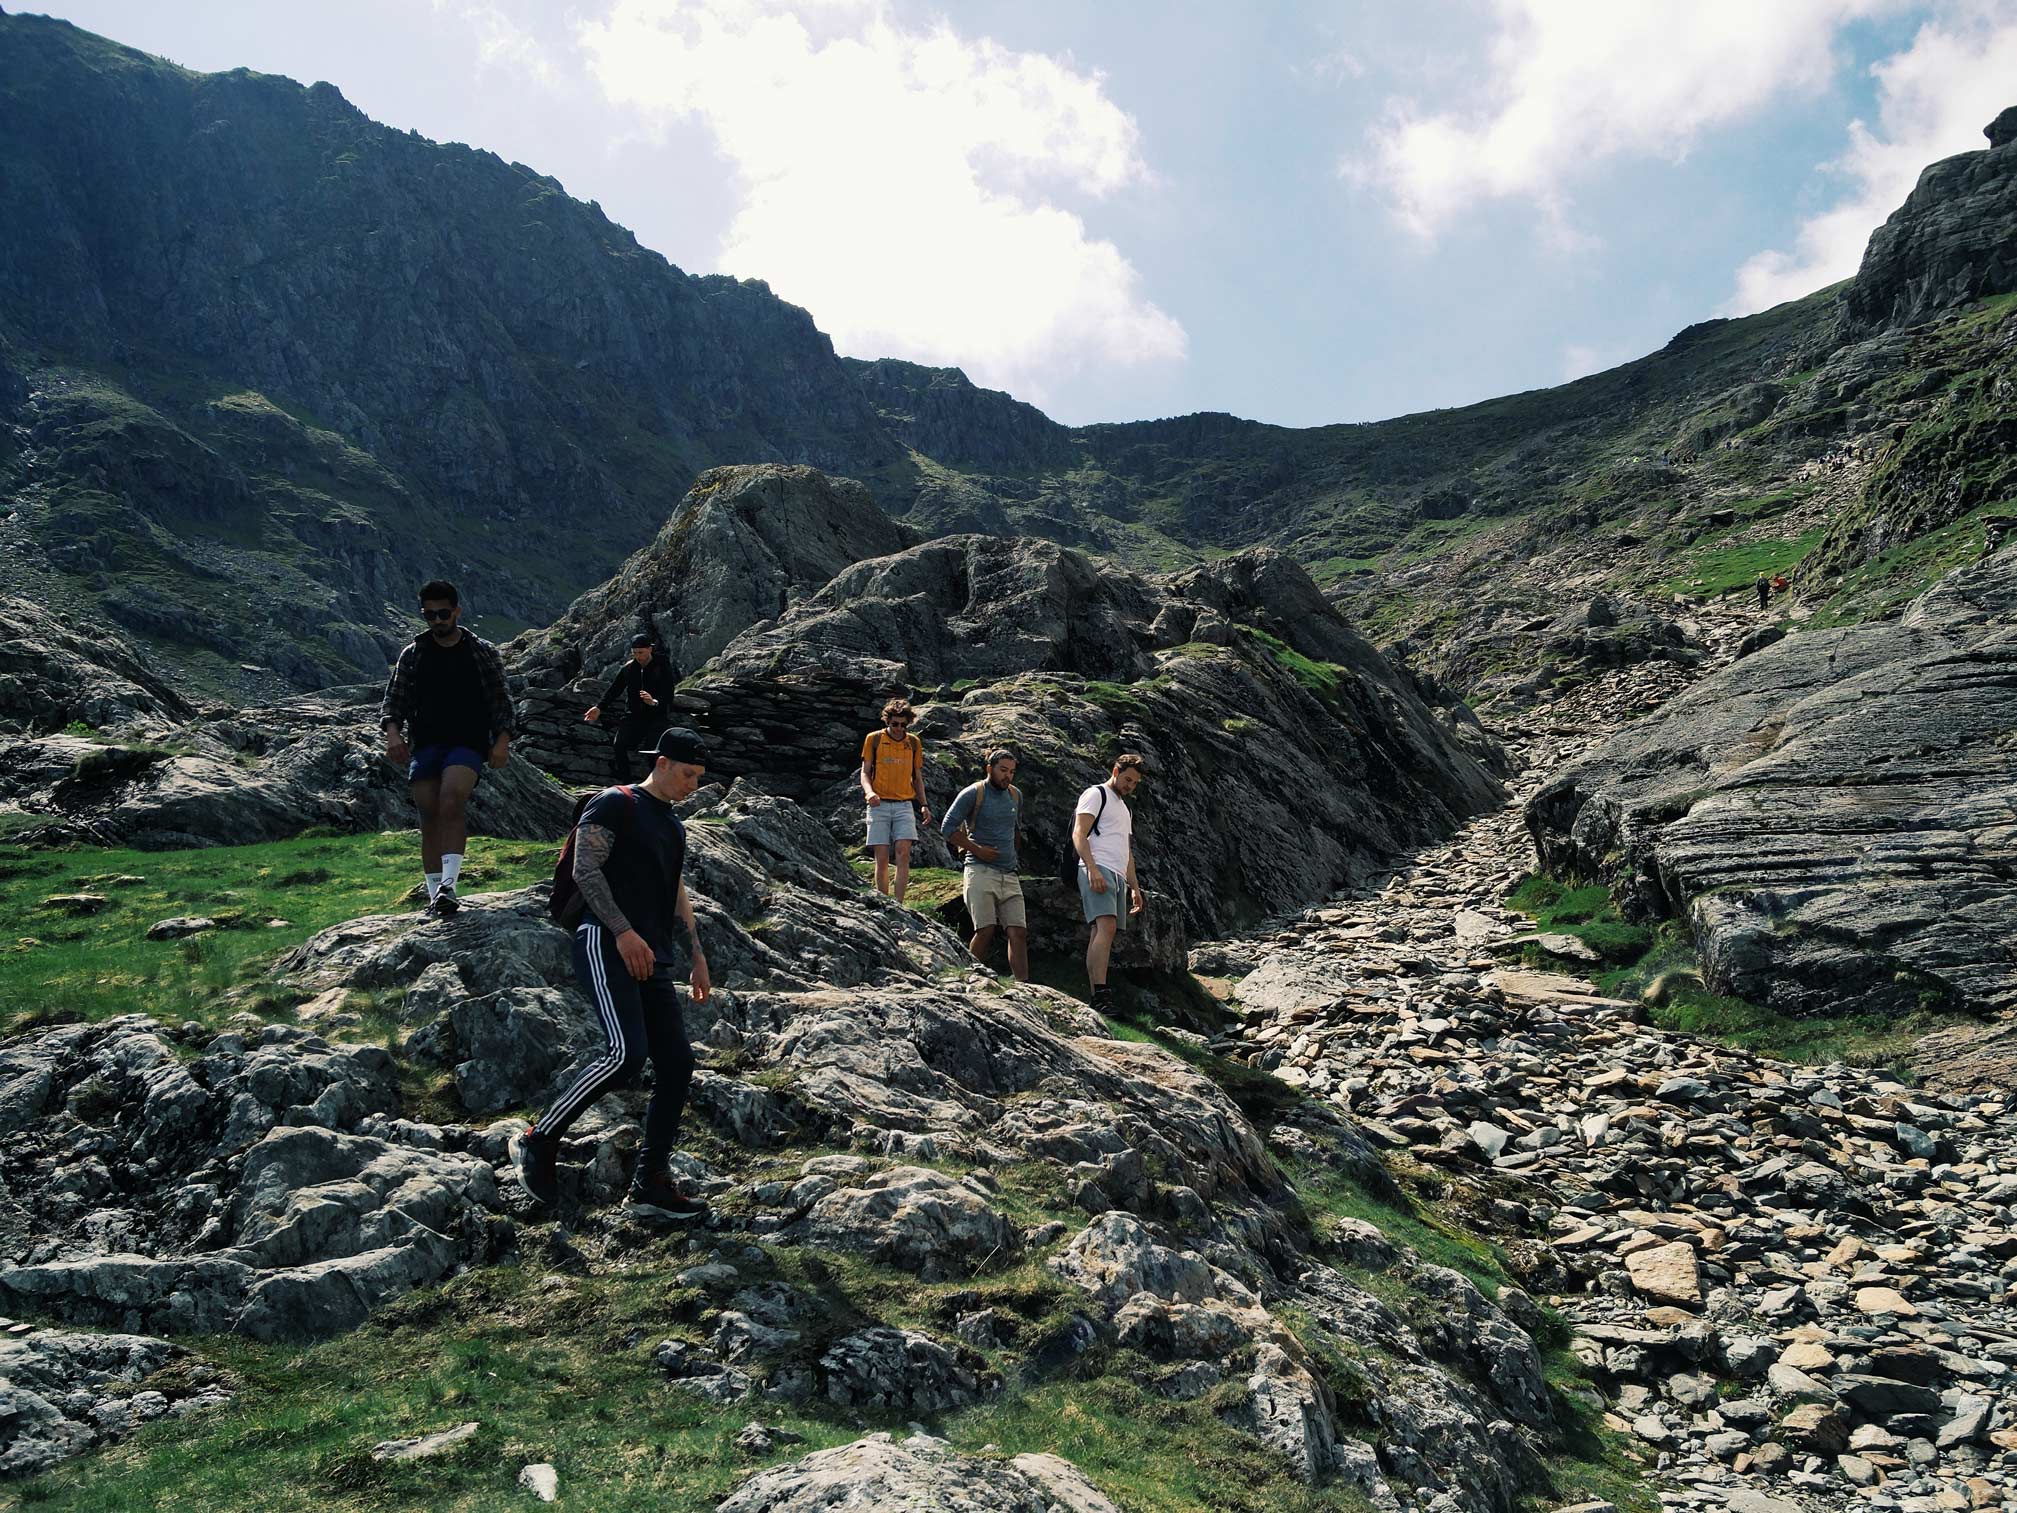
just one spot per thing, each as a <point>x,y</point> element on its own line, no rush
<point>428,762</point>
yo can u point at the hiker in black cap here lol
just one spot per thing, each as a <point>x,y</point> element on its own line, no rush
<point>645,685</point>
<point>447,713</point>
<point>635,920</point>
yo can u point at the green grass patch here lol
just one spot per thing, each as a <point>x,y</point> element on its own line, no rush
<point>56,966</point>
<point>1325,1193</point>
<point>1671,967</point>
<point>1320,678</point>
<point>931,888</point>
<point>1713,571</point>
<point>1882,587</point>
<point>1587,912</point>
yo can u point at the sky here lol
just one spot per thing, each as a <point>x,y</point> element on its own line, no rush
<point>1293,211</point>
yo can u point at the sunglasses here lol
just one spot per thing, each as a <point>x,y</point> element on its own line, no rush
<point>902,719</point>
<point>437,614</point>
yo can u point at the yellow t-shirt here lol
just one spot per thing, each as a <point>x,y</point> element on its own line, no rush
<point>893,765</point>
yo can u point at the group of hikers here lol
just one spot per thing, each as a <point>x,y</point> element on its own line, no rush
<point>447,714</point>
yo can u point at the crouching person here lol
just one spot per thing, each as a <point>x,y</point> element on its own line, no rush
<point>982,823</point>
<point>629,854</point>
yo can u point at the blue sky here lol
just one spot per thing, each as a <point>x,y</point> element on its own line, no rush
<point>1296,212</point>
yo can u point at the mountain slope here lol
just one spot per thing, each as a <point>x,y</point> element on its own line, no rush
<point>267,360</point>
<point>264,361</point>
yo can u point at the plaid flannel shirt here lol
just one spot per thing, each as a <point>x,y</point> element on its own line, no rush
<point>397,708</point>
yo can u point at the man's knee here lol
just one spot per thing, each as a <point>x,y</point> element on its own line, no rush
<point>1103,929</point>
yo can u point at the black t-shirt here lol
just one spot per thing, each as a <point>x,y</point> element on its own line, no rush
<point>449,705</point>
<point>645,866</point>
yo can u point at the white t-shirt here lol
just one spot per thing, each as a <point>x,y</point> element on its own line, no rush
<point>1109,843</point>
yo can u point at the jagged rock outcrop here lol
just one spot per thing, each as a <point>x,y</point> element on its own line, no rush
<point>52,675</point>
<point>63,1393</point>
<point>1284,751</point>
<point>918,1472</point>
<point>743,544</point>
<point>229,778</point>
<point>1831,813</point>
<point>271,1185</point>
<point>1953,241</point>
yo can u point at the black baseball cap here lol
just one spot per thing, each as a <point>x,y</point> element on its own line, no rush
<point>680,745</point>
<point>640,639</point>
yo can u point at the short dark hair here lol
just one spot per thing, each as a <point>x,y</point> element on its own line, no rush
<point>439,588</point>
<point>1001,754</point>
<point>1129,759</point>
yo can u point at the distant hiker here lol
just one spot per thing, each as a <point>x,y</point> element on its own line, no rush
<point>645,684</point>
<point>1780,583</point>
<point>1103,830</point>
<point>629,854</point>
<point>892,783</point>
<point>983,822</point>
<point>1764,588</point>
<point>447,711</point>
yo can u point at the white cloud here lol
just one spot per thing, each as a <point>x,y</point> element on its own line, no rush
<point>1573,82</point>
<point>900,183</point>
<point>1934,98</point>
<point>501,42</point>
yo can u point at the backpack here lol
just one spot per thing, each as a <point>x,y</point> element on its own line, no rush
<point>566,905</point>
<point>1068,863</point>
<point>979,792</point>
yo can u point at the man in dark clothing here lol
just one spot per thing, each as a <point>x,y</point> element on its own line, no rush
<point>645,684</point>
<point>629,853</point>
<point>447,711</point>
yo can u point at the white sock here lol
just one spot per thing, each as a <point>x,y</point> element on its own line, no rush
<point>433,885</point>
<point>451,867</point>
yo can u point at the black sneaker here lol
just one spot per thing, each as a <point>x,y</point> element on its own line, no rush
<point>1103,998</point>
<point>446,904</point>
<point>532,1156</point>
<point>654,1197</point>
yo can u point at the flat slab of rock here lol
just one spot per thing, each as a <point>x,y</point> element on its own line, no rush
<point>1667,1272</point>
<point>426,1446</point>
<point>178,927</point>
<point>1831,813</point>
<point>920,1473</point>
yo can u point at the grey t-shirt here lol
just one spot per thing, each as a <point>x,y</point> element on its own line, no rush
<point>994,825</point>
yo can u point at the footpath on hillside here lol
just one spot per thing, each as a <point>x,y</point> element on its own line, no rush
<point>1793,1280</point>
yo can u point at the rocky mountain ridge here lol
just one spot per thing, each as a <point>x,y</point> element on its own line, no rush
<point>205,413</point>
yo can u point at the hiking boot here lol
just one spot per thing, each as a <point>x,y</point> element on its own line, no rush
<point>654,1197</point>
<point>1103,999</point>
<point>532,1157</point>
<point>446,905</point>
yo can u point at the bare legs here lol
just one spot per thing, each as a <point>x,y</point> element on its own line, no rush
<point>443,803</point>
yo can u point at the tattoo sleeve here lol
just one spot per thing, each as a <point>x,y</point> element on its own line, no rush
<point>591,850</point>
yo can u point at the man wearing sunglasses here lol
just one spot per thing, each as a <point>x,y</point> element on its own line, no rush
<point>447,711</point>
<point>892,783</point>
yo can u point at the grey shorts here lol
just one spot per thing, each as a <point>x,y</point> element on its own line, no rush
<point>1114,901</point>
<point>890,821</point>
<point>994,897</point>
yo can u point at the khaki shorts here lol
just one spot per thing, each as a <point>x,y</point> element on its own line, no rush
<point>994,897</point>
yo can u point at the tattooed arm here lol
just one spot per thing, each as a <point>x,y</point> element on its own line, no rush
<point>591,850</point>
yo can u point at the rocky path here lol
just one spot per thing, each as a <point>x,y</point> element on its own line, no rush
<point>1794,1282</point>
